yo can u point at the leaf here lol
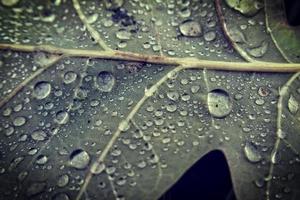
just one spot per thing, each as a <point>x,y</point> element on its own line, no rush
<point>117,99</point>
<point>285,37</point>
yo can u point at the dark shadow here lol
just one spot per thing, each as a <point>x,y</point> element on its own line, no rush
<point>292,9</point>
<point>208,179</point>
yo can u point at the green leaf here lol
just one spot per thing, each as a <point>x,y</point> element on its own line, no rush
<point>118,99</point>
<point>286,37</point>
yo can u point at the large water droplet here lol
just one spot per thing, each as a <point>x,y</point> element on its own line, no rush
<point>293,105</point>
<point>41,90</point>
<point>63,180</point>
<point>9,2</point>
<point>260,51</point>
<point>79,159</point>
<point>219,103</point>
<point>252,153</point>
<point>190,28</point>
<point>105,81</point>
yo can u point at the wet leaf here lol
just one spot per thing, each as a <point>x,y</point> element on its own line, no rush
<point>84,118</point>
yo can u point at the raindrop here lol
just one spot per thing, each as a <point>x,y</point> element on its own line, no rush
<point>70,77</point>
<point>19,121</point>
<point>97,168</point>
<point>237,36</point>
<point>38,135</point>
<point>210,36</point>
<point>42,90</point>
<point>42,159</point>
<point>62,117</point>
<point>113,4</point>
<point>293,104</point>
<point>252,153</point>
<point>122,34</point>
<point>63,180</point>
<point>79,159</point>
<point>260,51</point>
<point>190,28</point>
<point>9,2</point>
<point>105,81</point>
<point>219,103</point>
<point>173,95</point>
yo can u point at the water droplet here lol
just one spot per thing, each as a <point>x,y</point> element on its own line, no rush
<point>252,153</point>
<point>38,135</point>
<point>210,36</point>
<point>123,34</point>
<point>113,4</point>
<point>42,159</point>
<point>62,117</point>
<point>237,35</point>
<point>105,81</point>
<point>293,104</point>
<point>124,126</point>
<point>41,90</point>
<point>19,121</point>
<point>97,168</point>
<point>79,159</point>
<point>190,28</point>
<point>173,95</point>
<point>275,157</point>
<point>219,103</point>
<point>70,77</point>
<point>260,51</point>
<point>63,180</point>
<point>9,3</point>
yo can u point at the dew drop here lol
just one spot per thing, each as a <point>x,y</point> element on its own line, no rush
<point>61,196</point>
<point>69,77</point>
<point>252,153</point>
<point>62,117</point>
<point>97,168</point>
<point>293,104</point>
<point>210,36</point>
<point>36,188</point>
<point>190,28</point>
<point>42,90</point>
<point>122,34</point>
<point>219,103</point>
<point>9,3</point>
<point>38,135</point>
<point>79,159</point>
<point>63,180</point>
<point>105,81</point>
<point>260,51</point>
<point>19,121</point>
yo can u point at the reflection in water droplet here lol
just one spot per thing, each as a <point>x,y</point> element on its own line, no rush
<point>79,159</point>
<point>105,81</point>
<point>252,153</point>
<point>190,29</point>
<point>42,90</point>
<point>219,103</point>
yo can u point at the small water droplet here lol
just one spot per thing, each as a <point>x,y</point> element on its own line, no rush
<point>63,180</point>
<point>210,36</point>
<point>19,121</point>
<point>38,135</point>
<point>97,168</point>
